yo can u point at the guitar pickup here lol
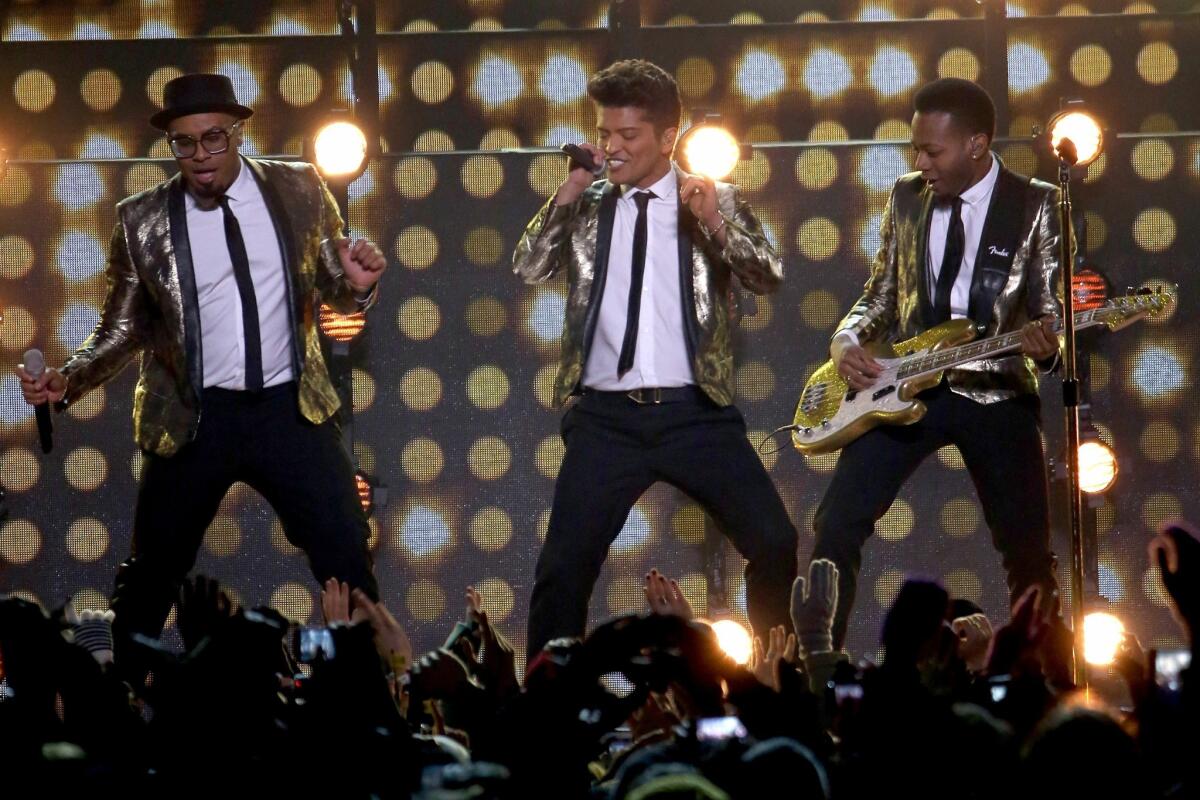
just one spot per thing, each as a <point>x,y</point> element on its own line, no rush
<point>850,395</point>
<point>884,392</point>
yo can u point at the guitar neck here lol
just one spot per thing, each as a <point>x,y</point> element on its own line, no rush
<point>929,363</point>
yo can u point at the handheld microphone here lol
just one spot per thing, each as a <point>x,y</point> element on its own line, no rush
<point>35,365</point>
<point>582,158</point>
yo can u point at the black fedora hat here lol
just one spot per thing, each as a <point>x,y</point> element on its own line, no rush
<point>198,93</point>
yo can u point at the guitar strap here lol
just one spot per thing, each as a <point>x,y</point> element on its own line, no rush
<point>1002,232</point>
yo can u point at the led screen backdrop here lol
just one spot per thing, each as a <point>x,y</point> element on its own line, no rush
<point>451,378</point>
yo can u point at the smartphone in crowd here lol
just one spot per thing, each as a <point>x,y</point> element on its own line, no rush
<point>1168,664</point>
<point>314,644</point>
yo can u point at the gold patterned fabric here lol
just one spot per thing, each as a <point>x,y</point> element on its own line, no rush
<point>151,307</point>
<point>890,307</point>
<point>567,237</point>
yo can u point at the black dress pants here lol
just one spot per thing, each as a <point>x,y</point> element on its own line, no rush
<point>1002,449</point>
<point>261,439</point>
<point>615,450</point>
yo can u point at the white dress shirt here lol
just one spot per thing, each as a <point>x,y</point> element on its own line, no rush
<point>976,201</point>
<point>660,358</point>
<point>222,332</point>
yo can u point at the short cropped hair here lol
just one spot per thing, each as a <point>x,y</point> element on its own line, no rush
<point>639,84</point>
<point>964,100</point>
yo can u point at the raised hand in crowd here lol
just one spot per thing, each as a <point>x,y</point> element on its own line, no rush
<point>93,631</point>
<point>766,662</point>
<point>497,661</point>
<point>336,606</point>
<point>813,605</point>
<point>203,608</point>
<point>390,639</point>
<point>975,638</point>
<point>1176,551</point>
<point>664,596</point>
<point>1015,646</point>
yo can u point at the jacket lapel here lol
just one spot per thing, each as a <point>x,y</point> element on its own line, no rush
<point>922,257</point>
<point>605,217</point>
<point>997,245</point>
<point>686,287</point>
<point>282,223</point>
<point>185,274</point>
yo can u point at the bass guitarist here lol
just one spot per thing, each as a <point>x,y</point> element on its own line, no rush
<point>961,237</point>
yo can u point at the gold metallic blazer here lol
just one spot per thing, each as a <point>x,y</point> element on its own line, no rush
<point>1019,272</point>
<point>577,236</point>
<point>151,306</point>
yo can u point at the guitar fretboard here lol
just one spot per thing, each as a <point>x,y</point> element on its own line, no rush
<point>915,366</point>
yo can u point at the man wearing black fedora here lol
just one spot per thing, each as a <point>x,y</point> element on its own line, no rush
<point>213,277</point>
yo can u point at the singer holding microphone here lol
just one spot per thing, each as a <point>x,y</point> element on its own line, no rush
<point>212,278</point>
<point>651,254</point>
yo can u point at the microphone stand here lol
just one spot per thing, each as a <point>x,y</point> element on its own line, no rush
<point>1067,157</point>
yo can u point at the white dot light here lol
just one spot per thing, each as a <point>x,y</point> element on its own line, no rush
<point>827,73</point>
<point>1027,67</point>
<point>1157,372</point>
<point>760,75</point>
<point>97,145</point>
<point>424,532</point>
<point>634,533</point>
<point>561,134</point>
<point>563,80</point>
<point>893,71</point>
<point>13,408</point>
<point>869,242</point>
<point>1111,588</point>
<point>77,323</point>
<point>497,81</point>
<point>245,85</point>
<point>546,318</point>
<point>79,256</point>
<point>90,31</point>
<point>881,165</point>
<point>78,186</point>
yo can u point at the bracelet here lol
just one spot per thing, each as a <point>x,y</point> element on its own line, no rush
<point>715,230</point>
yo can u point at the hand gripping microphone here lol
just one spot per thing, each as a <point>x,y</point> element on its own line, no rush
<point>35,365</point>
<point>582,158</point>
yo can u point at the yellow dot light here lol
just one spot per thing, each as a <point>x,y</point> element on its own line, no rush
<point>710,151</point>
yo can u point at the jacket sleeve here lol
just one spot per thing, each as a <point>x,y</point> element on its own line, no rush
<point>1045,287</point>
<point>747,251</point>
<point>118,337</point>
<point>333,287</point>
<point>542,249</point>
<point>875,313</point>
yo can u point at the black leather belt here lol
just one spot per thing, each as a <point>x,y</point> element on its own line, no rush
<point>650,396</point>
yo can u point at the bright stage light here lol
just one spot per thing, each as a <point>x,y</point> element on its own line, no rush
<point>340,150</point>
<point>1097,466</point>
<point>709,150</point>
<point>1102,635</point>
<point>341,327</point>
<point>734,640</point>
<point>366,492</point>
<point>1083,130</point>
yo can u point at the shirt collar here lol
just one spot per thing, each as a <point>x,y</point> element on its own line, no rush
<point>981,191</point>
<point>241,190</point>
<point>665,188</point>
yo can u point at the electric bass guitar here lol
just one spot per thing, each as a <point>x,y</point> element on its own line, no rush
<point>830,414</point>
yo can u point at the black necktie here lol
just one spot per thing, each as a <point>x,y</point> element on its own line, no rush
<point>951,262</point>
<point>629,344</point>
<point>245,285</point>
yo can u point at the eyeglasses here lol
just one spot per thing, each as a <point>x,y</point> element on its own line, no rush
<point>214,142</point>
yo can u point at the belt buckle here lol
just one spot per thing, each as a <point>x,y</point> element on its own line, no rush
<point>639,396</point>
